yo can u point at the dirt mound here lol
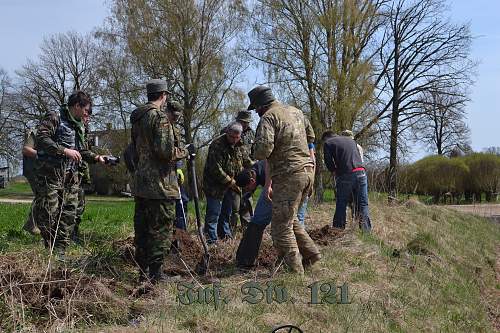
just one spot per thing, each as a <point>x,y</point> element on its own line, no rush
<point>267,255</point>
<point>325,235</point>
<point>191,253</point>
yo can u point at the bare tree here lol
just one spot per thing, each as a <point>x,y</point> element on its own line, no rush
<point>121,87</point>
<point>67,61</point>
<point>189,43</point>
<point>319,53</point>
<point>441,127</point>
<point>492,150</point>
<point>423,51</point>
<point>10,135</point>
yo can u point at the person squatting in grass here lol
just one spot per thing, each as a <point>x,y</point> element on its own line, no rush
<point>248,249</point>
<point>61,147</point>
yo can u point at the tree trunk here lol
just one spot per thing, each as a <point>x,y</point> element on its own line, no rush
<point>392,174</point>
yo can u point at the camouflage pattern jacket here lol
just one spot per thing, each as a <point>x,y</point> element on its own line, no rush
<point>223,163</point>
<point>83,168</point>
<point>154,141</point>
<point>248,138</point>
<point>282,138</point>
<point>55,133</point>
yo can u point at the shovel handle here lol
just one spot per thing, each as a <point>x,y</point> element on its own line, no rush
<point>197,203</point>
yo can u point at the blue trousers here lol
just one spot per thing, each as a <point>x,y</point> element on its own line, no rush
<point>352,185</point>
<point>264,210</point>
<point>217,220</point>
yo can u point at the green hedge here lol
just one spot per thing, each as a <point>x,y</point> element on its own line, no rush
<point>465,177</point>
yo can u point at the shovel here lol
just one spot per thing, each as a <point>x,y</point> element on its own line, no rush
<point>202,266</point>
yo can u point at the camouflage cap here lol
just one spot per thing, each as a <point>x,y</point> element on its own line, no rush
<point>259,96</point>
<point>347,133</point>
<point>175,107</point>
<point>156,85</point>
<point>244,116</point>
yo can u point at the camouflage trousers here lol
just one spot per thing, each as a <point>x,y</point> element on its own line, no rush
<point>30,224</point>
<point>153,223</point>
<point>289,237</point>
<point>55,208</point>
<point>80,209</point>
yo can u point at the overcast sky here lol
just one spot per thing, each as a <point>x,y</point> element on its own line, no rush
<point>24,23</point>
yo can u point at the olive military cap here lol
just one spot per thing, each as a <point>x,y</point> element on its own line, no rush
<point>260,96</point>
<point>156,85</point>
<point>175,107</point>
<point>347,133</point>
<point>245,116</point>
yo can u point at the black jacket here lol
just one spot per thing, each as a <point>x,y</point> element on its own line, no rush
<point>341,155</point>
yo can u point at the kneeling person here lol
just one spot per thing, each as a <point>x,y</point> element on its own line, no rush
<point>248,249</point>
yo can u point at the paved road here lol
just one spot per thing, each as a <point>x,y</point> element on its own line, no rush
<point>491,211</point>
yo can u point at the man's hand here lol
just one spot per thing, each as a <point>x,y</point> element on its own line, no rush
<point>100,159</point>
<point>72,154</point>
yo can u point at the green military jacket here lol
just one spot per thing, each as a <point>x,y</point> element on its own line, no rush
<point>154,141</point>
<point>248,138</point>
<point>282,138</point>
<point>55,133</point>
<point>223,163</point>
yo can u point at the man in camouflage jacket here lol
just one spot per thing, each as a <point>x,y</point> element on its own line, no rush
<point>282,140</point>
<point>226,158</point>
<point>155,180</point>
<point>84,173</point>
<point>61,148</point>
<point>241,205</point>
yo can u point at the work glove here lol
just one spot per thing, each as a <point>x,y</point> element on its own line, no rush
<point>180,176</point>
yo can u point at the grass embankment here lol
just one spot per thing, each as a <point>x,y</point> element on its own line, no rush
<point>424,268</point>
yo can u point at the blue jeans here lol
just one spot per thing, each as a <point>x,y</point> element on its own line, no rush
<point>301,213</point>
<point>353,185</point>
<point>217,220</point>
<point>264,210</point>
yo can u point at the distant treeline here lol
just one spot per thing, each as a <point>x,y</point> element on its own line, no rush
<point>469,178</point>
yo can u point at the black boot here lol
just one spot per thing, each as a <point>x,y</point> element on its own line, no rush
<point>248,250</point>
<point>75,236</point>
<point>156,275</point>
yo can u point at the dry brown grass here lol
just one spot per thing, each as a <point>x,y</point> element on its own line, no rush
<point>447,285</point>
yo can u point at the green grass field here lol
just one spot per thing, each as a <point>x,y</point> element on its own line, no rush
<point>424,268</point>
